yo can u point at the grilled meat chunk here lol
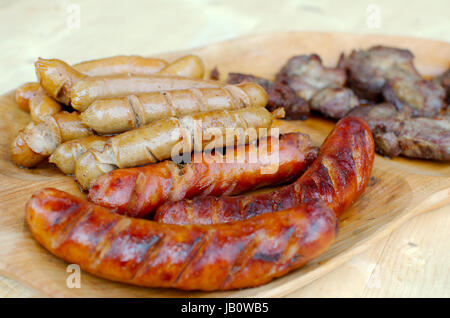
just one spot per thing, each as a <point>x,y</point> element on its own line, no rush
<point>282,95</point>
<point>367,69</point>
<point>422,97</point>
<point>334,102</point>
<point>307,75</point>
<point>444,81</point>
<point>385,73</point>
<point>396,133</point>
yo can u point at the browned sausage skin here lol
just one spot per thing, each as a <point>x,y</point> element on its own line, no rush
<point>193,257</point>
<point>137,192</point>
<point>338,176</point>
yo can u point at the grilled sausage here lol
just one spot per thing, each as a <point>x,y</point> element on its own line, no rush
<point>116,115</point>
<point>66,155</point>
<point>194,257</point>
<point>121,64</point>
<point>186,66</point>
<point>71,87</point>
<point>337,177</point>
<point>165,138</point>
<point>32,98</point>
<point>38,140</point>
<point>136,192</point>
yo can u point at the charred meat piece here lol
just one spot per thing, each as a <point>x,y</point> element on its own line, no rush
<point>307,75</point>
<point>444,81</point>
<point>334,102</point>
<point>383,121</point>
<point>236,78</point>
<point>427,138</point>
<point>280,95</point>
<point>367,69</point>
<point>389,73</point>
<point>406,90</point>
<point>397,134</point>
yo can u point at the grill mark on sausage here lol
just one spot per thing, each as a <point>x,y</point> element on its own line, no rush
<point>356,155</point>
<point>105,244</point>
<point>239,260</point>
<point>151,154</point>
<point>329,166</point>
<point>199,97</point>
<point>197,245</point>
<point>137,109</point>
<point>134,193</point>
<point>232,97</point>
<point>243,98</point>
<point>62,237</point>
<point>168,97</point>
<point>150,254</point>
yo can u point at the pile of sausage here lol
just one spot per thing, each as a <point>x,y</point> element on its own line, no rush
<point>155,222</point>
<point>142,104</point>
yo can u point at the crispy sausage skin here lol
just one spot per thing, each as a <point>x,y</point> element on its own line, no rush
<point>193,257</point>
<point>137,192</point>
<point>337,177</point>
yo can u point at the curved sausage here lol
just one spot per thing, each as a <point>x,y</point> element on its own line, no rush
<point>119,114</point>
<point>166,138</point>
<point>67,85</point>
<point>193,257</point>
<point>337,177</point>
<point>89,89</point>
<point>32,98</point>
<point>137,192</point>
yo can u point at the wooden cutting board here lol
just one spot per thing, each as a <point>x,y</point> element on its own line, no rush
<point>399,188</point>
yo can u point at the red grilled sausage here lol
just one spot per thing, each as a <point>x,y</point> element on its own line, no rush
<point>137,192</point>
<point>192,257</point>
<point>337,177</point>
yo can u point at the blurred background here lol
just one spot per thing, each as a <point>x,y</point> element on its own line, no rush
<point>407,262</point>
<point>76,30</point>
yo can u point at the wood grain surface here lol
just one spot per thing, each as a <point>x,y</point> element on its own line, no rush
<point>399,188</point>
